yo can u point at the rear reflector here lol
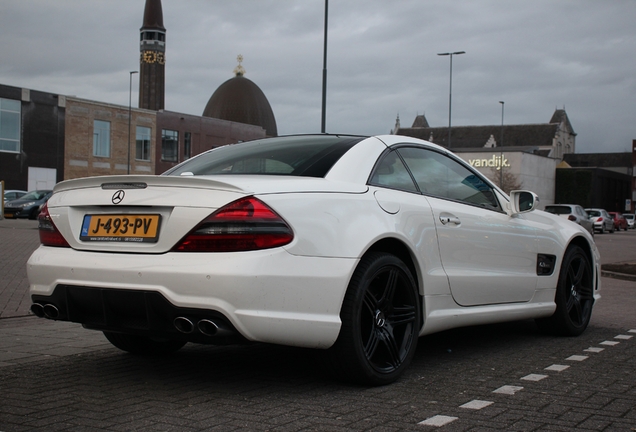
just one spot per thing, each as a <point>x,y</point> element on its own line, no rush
<point>243,225</point>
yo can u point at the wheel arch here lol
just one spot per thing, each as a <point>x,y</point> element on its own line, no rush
<point>403,252</point>
<point>400,250</point>
<point>585,245</point>
<point>587,248</point>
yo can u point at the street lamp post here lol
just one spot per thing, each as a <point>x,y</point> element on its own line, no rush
<point>501,146</point>
<point>450,91</point>
<point>323,121</point>
<point>130,116</point>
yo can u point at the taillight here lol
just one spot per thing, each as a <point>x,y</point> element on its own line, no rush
<point>49,234</point>
<point>572,218</point>
<point>243,225</point>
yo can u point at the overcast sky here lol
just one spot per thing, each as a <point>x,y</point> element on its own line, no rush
<point>535,55</point>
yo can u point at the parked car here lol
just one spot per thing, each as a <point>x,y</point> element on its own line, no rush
<point>353,244</point>
<point>619,221</point>
<point>13,194</point>
<point>629,217</point>
<point>603,222</point>
<point>574,213</point>
<point>27,206</point>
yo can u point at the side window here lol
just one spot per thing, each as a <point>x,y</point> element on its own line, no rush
<point>392,173</point>
<point>438,175</point>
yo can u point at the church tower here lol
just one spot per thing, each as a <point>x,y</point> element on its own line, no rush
<point>152,61</point>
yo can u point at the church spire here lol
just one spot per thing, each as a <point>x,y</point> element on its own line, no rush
<point>152,58</point>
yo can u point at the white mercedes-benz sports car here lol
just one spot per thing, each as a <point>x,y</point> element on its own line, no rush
<point>353,244</point>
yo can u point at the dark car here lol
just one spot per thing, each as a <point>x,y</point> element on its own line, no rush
<point>28,206</point>
<point>574,213</point>
<point>619,221</point>
<point>12,194</point>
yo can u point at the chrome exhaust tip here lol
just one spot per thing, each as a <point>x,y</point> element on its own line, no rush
<point>51,311</point>
<point>183,324</point>
<point>208,327</point>
<point>38,310</point>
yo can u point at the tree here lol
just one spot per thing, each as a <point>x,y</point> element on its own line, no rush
<point>503,178</point>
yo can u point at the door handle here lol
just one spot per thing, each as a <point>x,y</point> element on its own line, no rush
<point>449,219</point>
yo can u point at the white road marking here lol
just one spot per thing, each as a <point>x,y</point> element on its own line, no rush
<point>476,404</point>
<point>507,389</point>
<point>438,420</point>
<point>557,368</point>
<point>577,358</point>
<point>534,377</point>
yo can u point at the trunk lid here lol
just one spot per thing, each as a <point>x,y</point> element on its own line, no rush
<point>150,214</point>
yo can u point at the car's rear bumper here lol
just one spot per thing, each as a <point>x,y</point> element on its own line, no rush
<point>267,296</point>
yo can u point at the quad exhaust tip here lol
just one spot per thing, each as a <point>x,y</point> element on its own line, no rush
<point>38,310</point>
<point>45,311</point>
<point>184,325</point>
<point>208,327</point>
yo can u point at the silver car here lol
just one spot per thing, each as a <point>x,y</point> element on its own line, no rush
<point>574,213</point>
<point>603,222</point>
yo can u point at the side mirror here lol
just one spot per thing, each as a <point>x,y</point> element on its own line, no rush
<point>523,201</point>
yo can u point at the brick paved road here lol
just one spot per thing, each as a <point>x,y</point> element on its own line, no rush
<point>58,376</point>
<point>18,238</point>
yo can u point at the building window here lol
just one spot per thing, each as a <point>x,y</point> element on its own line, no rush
<point>169,145</point>
<point>187,145</point>
<point>142,151</point>
<point>10,125</point>
<point>101,138</point>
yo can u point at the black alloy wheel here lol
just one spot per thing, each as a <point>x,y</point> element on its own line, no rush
<point>574,296</point>
<point>380,322</point>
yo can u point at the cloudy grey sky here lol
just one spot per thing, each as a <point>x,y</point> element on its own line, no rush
<point>535,55</point>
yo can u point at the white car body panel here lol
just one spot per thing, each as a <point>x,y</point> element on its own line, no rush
<point>299,308</point>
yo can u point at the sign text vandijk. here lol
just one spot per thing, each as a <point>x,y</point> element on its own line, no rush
<point>494,162</point>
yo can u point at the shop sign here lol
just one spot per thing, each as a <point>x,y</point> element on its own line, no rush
<point>494,162</point>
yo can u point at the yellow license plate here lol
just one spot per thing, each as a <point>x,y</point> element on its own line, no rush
<point>124,228</point>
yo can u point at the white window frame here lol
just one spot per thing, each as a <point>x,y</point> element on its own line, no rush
<point>101,138</point>
<point>8,109</point>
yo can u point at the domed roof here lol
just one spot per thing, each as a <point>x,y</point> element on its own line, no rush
<point>240,100</point>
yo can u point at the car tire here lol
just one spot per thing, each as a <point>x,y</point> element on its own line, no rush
<point>380,322</point>
<point>574,296</point>
<point>142,345</point>
<point>602,231</point>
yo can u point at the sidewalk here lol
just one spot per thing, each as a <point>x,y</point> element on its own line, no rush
<point>18,239</point>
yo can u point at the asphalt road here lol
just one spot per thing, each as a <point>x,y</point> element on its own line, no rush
<point>58,376</point>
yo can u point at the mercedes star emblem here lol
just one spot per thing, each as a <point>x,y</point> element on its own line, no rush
<point>118,196</point>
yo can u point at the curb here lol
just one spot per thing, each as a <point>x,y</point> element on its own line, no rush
<point>616,275</point>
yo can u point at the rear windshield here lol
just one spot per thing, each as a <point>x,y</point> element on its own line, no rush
<point>307,156</point>
<point>558,210</point>
<point>593,212</point>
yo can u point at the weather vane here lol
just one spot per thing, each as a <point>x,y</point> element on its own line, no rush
<point>239,70</point>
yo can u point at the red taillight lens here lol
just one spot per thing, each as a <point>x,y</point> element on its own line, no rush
<point>572,218</point>
<point>243,225</point>
<point>49,235</point>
